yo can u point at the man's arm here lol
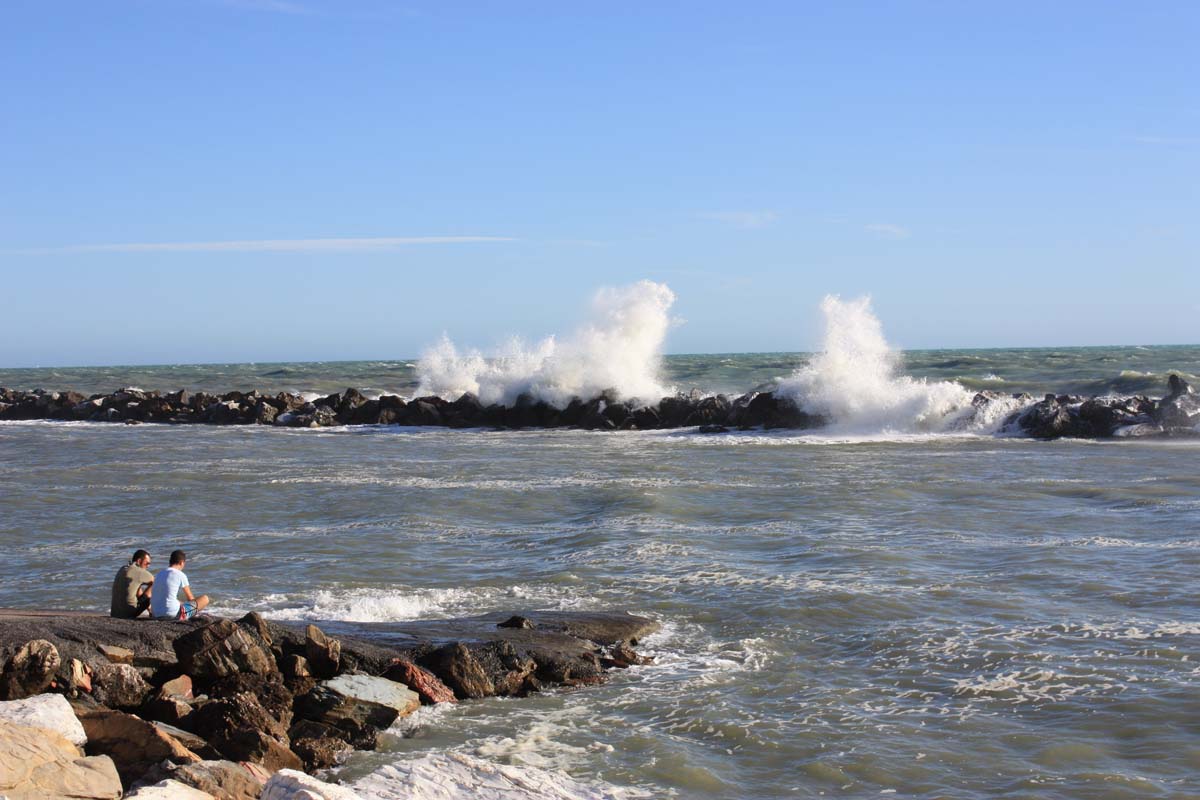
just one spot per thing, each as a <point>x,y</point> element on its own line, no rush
<point>187,592</point>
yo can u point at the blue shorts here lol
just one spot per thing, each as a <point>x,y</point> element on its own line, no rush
<point>187,610</point>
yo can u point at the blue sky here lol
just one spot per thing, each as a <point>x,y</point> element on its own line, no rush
<point>992,174</point>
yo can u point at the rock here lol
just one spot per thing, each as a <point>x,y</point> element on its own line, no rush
<point>321,752</point>
<point>30,670</point>
<point>265,413</point>
<point>219,649</point>
<point>1050,419</point>
<point>242,730</point>
<point>295,666</point>
<point>167,708</point>
<point>133,744</point>
<point>224,780</point>
<point>180,687</point>
<point>458,668</point>
<point>188,739</point>
<point>427,685</point>
<point>255,624</point>
<point>116,655</point>
<point>324,654</point>
<point>1179,411</point>
<point>168,790</point>
<point>422,412</point>
<point>321,417</point>
<point>268,689</point>
<point>74,677</point>
<point>621,656</point>
<point>47,711</point>
<point>119,686</point>
<point>509,670</point>
<point>712,429</point>
<point>516,621</point>
<point>292,785</point>
<point>364,699</point>
<point>37,764</point>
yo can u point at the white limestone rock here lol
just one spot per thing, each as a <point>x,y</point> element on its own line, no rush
<point>290,784</point>
<point>49,711</point>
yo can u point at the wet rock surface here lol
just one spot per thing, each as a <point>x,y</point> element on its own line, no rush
<point>241,701</point>
<point>1177,413</point>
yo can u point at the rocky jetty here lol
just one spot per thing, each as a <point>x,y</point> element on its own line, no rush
<point>1070,416</point>
<point>96,707</point>
<point>351,407</point>
<point>1055,416</point>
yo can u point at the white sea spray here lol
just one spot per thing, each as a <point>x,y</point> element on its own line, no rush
<point>855,382</point>
<point>619,347</point>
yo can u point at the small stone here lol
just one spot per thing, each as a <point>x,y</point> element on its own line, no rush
<point>115,654</point>
<point>516,621</point>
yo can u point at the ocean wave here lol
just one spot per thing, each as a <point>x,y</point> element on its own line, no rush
<point>452,775</point>
<point>401,603</point>
<point>619,348</point>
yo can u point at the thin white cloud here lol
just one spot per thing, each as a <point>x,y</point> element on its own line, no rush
<point>743,219</point>
<point>888,229</point>
<point>268,245</point>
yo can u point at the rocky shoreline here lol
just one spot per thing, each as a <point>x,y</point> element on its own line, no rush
<point>1055,416</point>
<point>96,707</point>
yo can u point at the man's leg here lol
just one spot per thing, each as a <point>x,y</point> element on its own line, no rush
<point>202,602</point>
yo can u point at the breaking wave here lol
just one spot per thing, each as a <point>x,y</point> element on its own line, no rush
<point>619,347</point>
<point>855,382</point>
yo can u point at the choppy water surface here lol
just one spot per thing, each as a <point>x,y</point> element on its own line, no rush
<point>1076,370</point>
<point>935,616</point>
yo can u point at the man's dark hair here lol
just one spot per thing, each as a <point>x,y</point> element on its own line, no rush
<point>138,555</point>
<point>178,556</point>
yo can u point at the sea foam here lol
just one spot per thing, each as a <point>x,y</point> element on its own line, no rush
<point>855,382</point>
<point>446,776</point>
<point>619,347</point>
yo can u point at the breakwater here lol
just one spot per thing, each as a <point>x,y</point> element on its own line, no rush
<point>1176,413</point>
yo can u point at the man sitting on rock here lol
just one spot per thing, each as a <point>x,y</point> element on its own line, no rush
<point>164,599</point>
<point>131,587</point>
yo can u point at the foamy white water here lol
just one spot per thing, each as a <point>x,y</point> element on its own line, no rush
<point>856,382</point>
<point>619,347</point>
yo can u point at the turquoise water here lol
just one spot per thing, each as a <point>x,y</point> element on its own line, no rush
<point>932,615</point>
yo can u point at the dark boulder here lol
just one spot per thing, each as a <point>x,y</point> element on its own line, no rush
<point>421,413</point>
<point>459,669</point>
<point>1179,411</point>
<point>269,690</point>
<point>219,649</point>
<point>242,730</point>
<point>324,655</point>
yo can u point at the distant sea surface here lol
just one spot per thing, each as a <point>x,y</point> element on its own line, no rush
<point>883,612</point>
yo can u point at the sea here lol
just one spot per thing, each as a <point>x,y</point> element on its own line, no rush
<point>889,606</point>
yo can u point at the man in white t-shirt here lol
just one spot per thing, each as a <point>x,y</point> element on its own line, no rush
<point>164,596</point>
